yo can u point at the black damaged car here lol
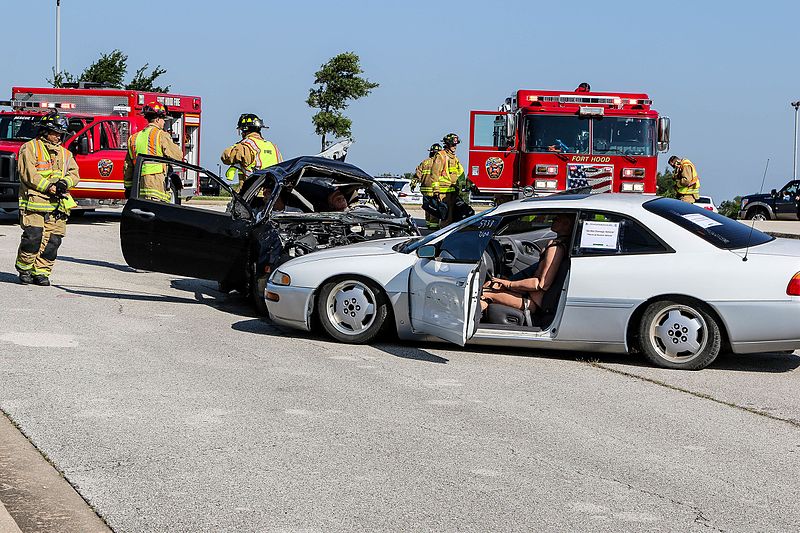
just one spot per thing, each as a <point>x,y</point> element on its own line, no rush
<point>287,210</point>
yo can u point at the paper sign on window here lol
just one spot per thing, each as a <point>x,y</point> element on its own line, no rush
<point>600,235</point>
<point>701,220</point>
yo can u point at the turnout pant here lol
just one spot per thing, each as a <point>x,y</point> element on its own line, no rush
<point>41,237</point>
<point>431,221</point>
<point>688,198</point>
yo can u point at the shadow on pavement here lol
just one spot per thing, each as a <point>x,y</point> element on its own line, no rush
<point>410,351</point>
<point>97,263</point>
<point>206,292</point>
<point>8,277</point>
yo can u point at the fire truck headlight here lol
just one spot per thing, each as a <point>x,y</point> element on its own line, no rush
<point>632,172</point>
<point>547,170</point>
<point>546,184</point>
<point>632,187</point>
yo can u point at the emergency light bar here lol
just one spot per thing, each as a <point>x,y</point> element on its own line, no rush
<point>602,100</point>
<point>22,104</point>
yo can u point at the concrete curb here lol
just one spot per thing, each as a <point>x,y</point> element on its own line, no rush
<point>34,494</point>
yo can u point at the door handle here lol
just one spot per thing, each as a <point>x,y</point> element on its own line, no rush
<point>143,214</point>
<point>460,283</point>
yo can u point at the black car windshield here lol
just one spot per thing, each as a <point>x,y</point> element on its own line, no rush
<point>623,136</point>
<point>564,134</point>
<point>410,246</point>
<point>16,127</point>
<point>712,227</point>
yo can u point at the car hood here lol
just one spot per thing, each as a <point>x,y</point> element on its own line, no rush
<point>362,249</point>
<point>754,197</point>
<point>778,246</point>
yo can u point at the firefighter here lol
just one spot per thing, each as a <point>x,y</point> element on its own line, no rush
<point>446,170</point>
<point>252,152</point>
<point>46,172</point>
<point>686,180</point>
<point>427,186</point>
<point>583,88</point>
<point>152,140</point>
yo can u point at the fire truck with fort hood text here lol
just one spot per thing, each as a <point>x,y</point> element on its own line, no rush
<point>100,120</point>
<point>543,142</point>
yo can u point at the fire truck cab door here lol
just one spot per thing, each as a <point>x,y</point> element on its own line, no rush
<point>204,241</point>
<point>99,149</point>
<point>492,151</point>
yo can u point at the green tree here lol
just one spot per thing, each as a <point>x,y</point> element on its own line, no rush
<point>730,208</point>
<point>337,82</point>
<point>111,69</point>
<point>664,184</point>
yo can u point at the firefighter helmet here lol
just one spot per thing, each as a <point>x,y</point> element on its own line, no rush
<point>435,148</point>
<point>53,122</point>
<point>250,122</point>
<point>154,110</point>
<point>451,139</point>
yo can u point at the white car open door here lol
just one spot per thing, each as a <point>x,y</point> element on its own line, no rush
<point>445,282</point>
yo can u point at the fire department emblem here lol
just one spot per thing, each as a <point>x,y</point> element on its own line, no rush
<point>105,166</point>
<point>494,167</point>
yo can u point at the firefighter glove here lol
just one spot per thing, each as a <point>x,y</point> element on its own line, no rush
<point>61,187</point>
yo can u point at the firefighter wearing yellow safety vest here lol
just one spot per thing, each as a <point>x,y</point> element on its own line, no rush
<point>46,172</point>
<point>686,180</point>
<point>152,140</point>
<point>427,186</point>
<point>447,169</point>
<point>252,152</point>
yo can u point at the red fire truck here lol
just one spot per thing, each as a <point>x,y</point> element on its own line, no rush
<point>100,122</point>
<point>542,142</point>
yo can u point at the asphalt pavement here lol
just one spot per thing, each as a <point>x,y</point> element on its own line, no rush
<point>169,406</point>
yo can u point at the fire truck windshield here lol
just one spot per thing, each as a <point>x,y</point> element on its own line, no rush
<point>17,128</point>
<point>623,136</point>
<point>565,134</point>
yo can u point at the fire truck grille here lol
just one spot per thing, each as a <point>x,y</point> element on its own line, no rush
<point>8,167</point>
<point>97,105</point>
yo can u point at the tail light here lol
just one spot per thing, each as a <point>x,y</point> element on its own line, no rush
<point>546,170</point>
<point>793,289</point>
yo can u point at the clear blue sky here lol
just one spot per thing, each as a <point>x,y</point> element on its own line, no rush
<point>724,72</point>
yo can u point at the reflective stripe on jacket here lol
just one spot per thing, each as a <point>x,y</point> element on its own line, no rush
<point>693,187</point>
<point>47,176</point>
<point>265,153</point>
<point>148,142</point>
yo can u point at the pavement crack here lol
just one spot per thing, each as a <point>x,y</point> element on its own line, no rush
<point>791,421</point>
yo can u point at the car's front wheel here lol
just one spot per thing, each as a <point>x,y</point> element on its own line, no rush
<point>352,310</point>
<point>679,335</point>
<point>758,213</point>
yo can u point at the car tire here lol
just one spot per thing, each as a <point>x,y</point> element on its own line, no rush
<point>352,310</point>
<point>757,213</point>
<point>679,335</point>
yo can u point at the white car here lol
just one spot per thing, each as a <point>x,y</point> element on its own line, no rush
<point>669,278</point>
<point>401,187</point>
<point>707,203</point>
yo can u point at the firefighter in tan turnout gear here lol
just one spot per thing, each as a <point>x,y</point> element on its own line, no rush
<point>252,152</point>
<point>152,140</point>
<point>686,179</point>
<point>427,186</point>
<point>446,169</point>
<point>46,172</point>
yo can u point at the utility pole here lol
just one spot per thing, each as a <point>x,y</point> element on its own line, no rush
<point>58,36</point>
<point>796,106</point>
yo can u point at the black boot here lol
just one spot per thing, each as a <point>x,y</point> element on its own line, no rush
<point>43,281</point>
<point>25,278</point>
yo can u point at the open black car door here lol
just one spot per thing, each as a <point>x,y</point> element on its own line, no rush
<point>207,242</point>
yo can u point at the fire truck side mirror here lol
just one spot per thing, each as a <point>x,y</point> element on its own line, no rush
<point>511,129</point>
<point>83,145</point>
<point>663,134</point>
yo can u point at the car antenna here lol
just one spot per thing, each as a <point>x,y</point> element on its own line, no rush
<point>753,224</point>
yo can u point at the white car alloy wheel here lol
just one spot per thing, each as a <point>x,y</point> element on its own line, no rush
<point>351,309</point>
<point>677,335</point>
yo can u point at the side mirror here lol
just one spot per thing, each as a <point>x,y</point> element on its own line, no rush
<point>511,129</point>
<point>426,252</point>
<point>663,134</point>
<point>83,145</point>
<point>774,193</point>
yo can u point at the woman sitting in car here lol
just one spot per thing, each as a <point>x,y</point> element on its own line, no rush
<point>527,294</point>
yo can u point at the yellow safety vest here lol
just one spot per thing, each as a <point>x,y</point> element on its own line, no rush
<point>148,142</point>
<point>694,187</point>
<point>447,181</point>
<point>44,167</point>
<point>265,152</point>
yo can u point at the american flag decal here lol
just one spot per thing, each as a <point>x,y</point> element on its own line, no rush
<point>598,177</point>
